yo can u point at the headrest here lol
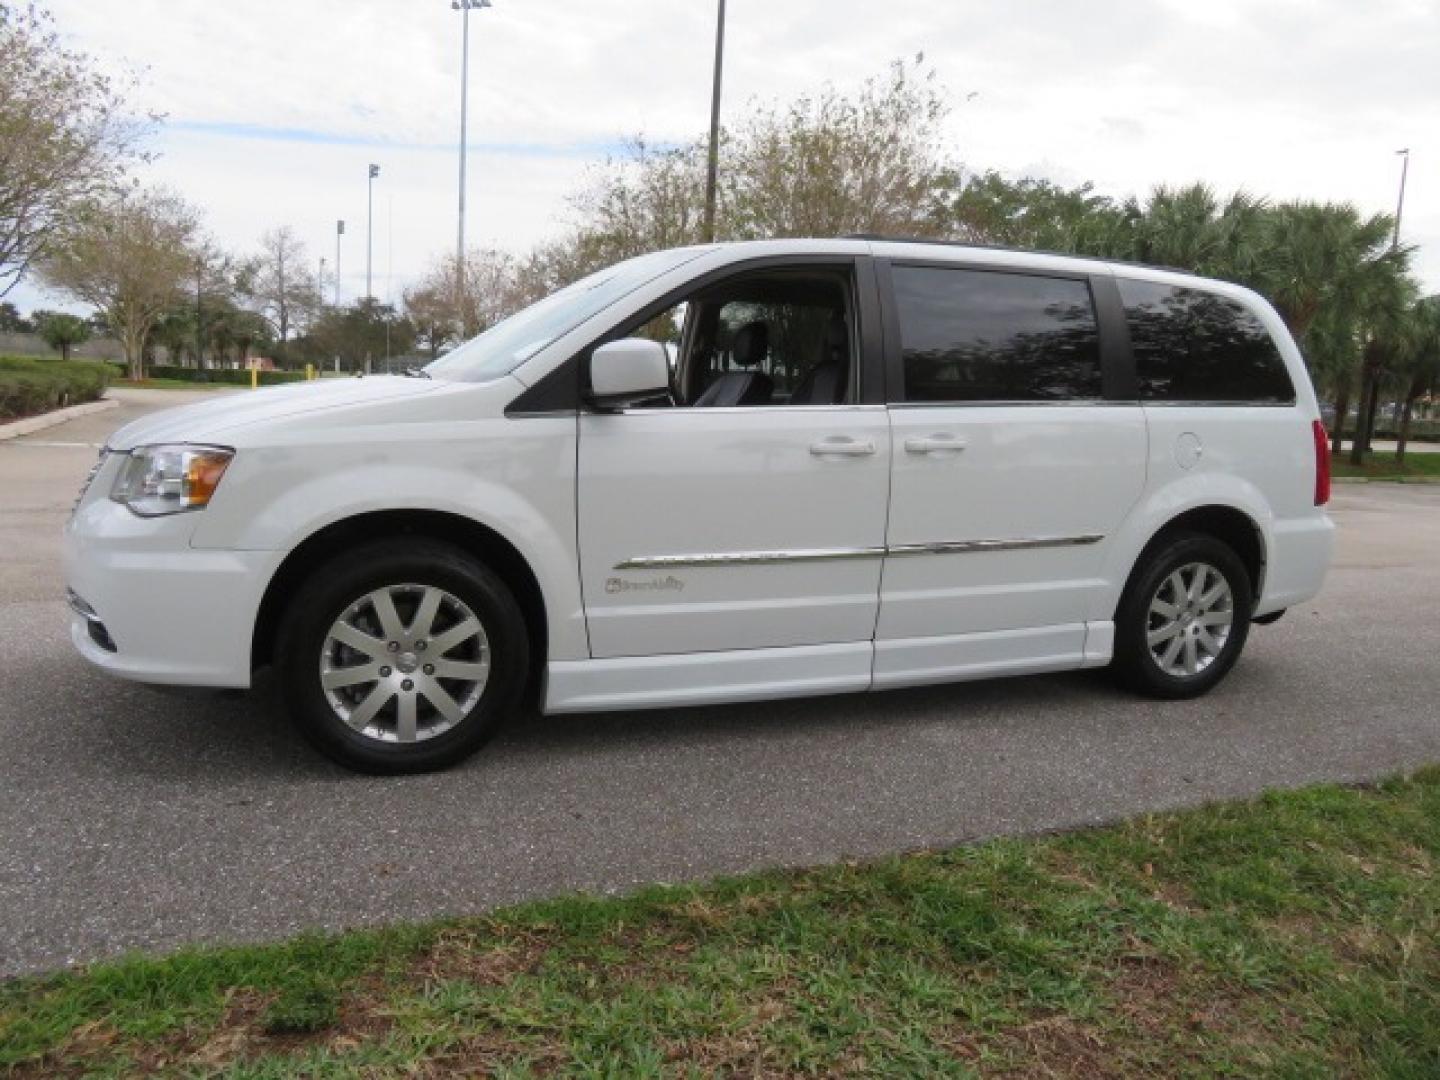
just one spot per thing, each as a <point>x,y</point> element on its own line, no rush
<point>752,342</point>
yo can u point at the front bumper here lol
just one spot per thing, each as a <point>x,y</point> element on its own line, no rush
<point>174,614</point>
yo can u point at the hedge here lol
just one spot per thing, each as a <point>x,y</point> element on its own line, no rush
<point>232,376</point>
<point>30,386</point>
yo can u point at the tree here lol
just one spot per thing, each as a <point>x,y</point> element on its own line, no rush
<point>830,164</point>
<point>1332,269</point>
<point>648,200</point>
<point>431,308</point>
<point>280,284</point>
<point>67,134</point>
<point>249,331</point>
<point>62,332</point>
<point>12,322</point>
<point>174,332</point>
<point>367,330</point>
<point>449,307</point>
<point>1030,213</point>
<point>827,164</point>
<point>1419,364</point>
<point>130,257</point>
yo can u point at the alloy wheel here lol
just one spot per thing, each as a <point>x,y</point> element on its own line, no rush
<point>404,663</point>
<point>1190,619</point>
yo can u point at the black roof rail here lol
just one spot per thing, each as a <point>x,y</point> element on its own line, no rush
<point>884,239</point>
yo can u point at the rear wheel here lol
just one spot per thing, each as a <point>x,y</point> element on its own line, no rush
<point>1184,617</point>
<point>402,656</point>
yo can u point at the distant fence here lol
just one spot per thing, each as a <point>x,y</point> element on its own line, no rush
<point>1385,428</point>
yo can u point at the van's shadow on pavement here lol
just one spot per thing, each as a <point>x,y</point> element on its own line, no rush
<point>181,736</point>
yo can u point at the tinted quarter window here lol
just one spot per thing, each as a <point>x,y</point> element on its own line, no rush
<point>1191,345</point>
<point>979,335</point>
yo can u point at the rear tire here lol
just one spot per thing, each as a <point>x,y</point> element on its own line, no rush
<point>1184,617</point>
<point>402,656</point>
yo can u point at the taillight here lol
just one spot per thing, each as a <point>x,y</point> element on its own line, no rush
<point>1322,463</point>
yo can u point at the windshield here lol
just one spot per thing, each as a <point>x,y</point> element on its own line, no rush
<point>510,342</point>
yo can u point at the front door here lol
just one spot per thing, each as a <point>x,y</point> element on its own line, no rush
<point>1012,471</point>
<point>749,512</point>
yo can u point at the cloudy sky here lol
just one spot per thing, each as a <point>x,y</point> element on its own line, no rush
<point>275,107</point>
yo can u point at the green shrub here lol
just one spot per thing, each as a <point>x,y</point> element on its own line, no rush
<point>229,376</point>
<point>30,386</point>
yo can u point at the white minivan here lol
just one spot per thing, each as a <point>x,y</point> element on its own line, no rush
<point>727,473</point>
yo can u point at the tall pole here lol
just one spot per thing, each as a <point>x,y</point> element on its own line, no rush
<point>199,314</point>
<point>1400,205</point>
<point>713,169</point>
<point>464,7</point>
<point>339,232</point>
<point>464,116</point>
<point>370,231</point>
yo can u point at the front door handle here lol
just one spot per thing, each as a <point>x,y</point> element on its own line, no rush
<point>838,444</point>
<point>935,444</point>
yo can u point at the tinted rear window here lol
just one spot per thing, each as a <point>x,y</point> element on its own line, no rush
<point>1192,345</point>
<point>978,335</point>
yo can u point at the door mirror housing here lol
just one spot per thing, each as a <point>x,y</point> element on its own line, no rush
<point>628,371</point>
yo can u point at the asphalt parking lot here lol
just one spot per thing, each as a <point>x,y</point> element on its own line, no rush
<point>140,819</point>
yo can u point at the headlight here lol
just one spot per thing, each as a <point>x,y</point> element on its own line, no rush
<point>160,480</point>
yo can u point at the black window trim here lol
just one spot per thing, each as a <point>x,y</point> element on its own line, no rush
<point>561,392</point>
<point>1117,371</point>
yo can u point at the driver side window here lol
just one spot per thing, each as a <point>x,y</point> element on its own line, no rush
<point>770,338</point>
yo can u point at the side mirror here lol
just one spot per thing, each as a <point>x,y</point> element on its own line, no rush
<point>628,371</point>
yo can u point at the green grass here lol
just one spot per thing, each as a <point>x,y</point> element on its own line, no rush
<point>1419,465</point>
<point>1294,935</point>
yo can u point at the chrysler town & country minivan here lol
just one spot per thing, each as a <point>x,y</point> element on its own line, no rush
<point>722,474</point>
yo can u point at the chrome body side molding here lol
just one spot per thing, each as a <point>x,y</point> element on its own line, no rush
<point>749,558</point>
<point>961,547</point>
<point>762,558</point>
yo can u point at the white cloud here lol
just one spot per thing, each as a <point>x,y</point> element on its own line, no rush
<point>1298,98</point>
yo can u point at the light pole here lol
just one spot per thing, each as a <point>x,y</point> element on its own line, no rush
<point>713,165</point>
<point>370,229</point>
<point>339,232</point>
<point>199,313</point>
<point>1400,205</point>
<point>464,7</point>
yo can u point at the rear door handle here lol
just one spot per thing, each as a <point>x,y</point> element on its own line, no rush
<point>935,444</point>
<point>839,444</point>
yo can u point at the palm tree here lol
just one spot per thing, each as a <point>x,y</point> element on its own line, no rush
<point>1327,268</point>
<point>175,333</point>
<point>1191,229</point>
<point>1419,363</point>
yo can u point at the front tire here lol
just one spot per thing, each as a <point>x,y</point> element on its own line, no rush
<point>402,656</point>
<point>1184,617</point>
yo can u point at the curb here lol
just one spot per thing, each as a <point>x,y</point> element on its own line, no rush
<point>1385,480</point>
<point>48,420</point>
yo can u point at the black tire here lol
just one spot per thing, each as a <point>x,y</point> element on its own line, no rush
<point>1134,665</point>
<point>337,585</point>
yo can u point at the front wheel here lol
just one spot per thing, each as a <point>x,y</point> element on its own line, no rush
<point>402,657</point>
<point>1184,617</point>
